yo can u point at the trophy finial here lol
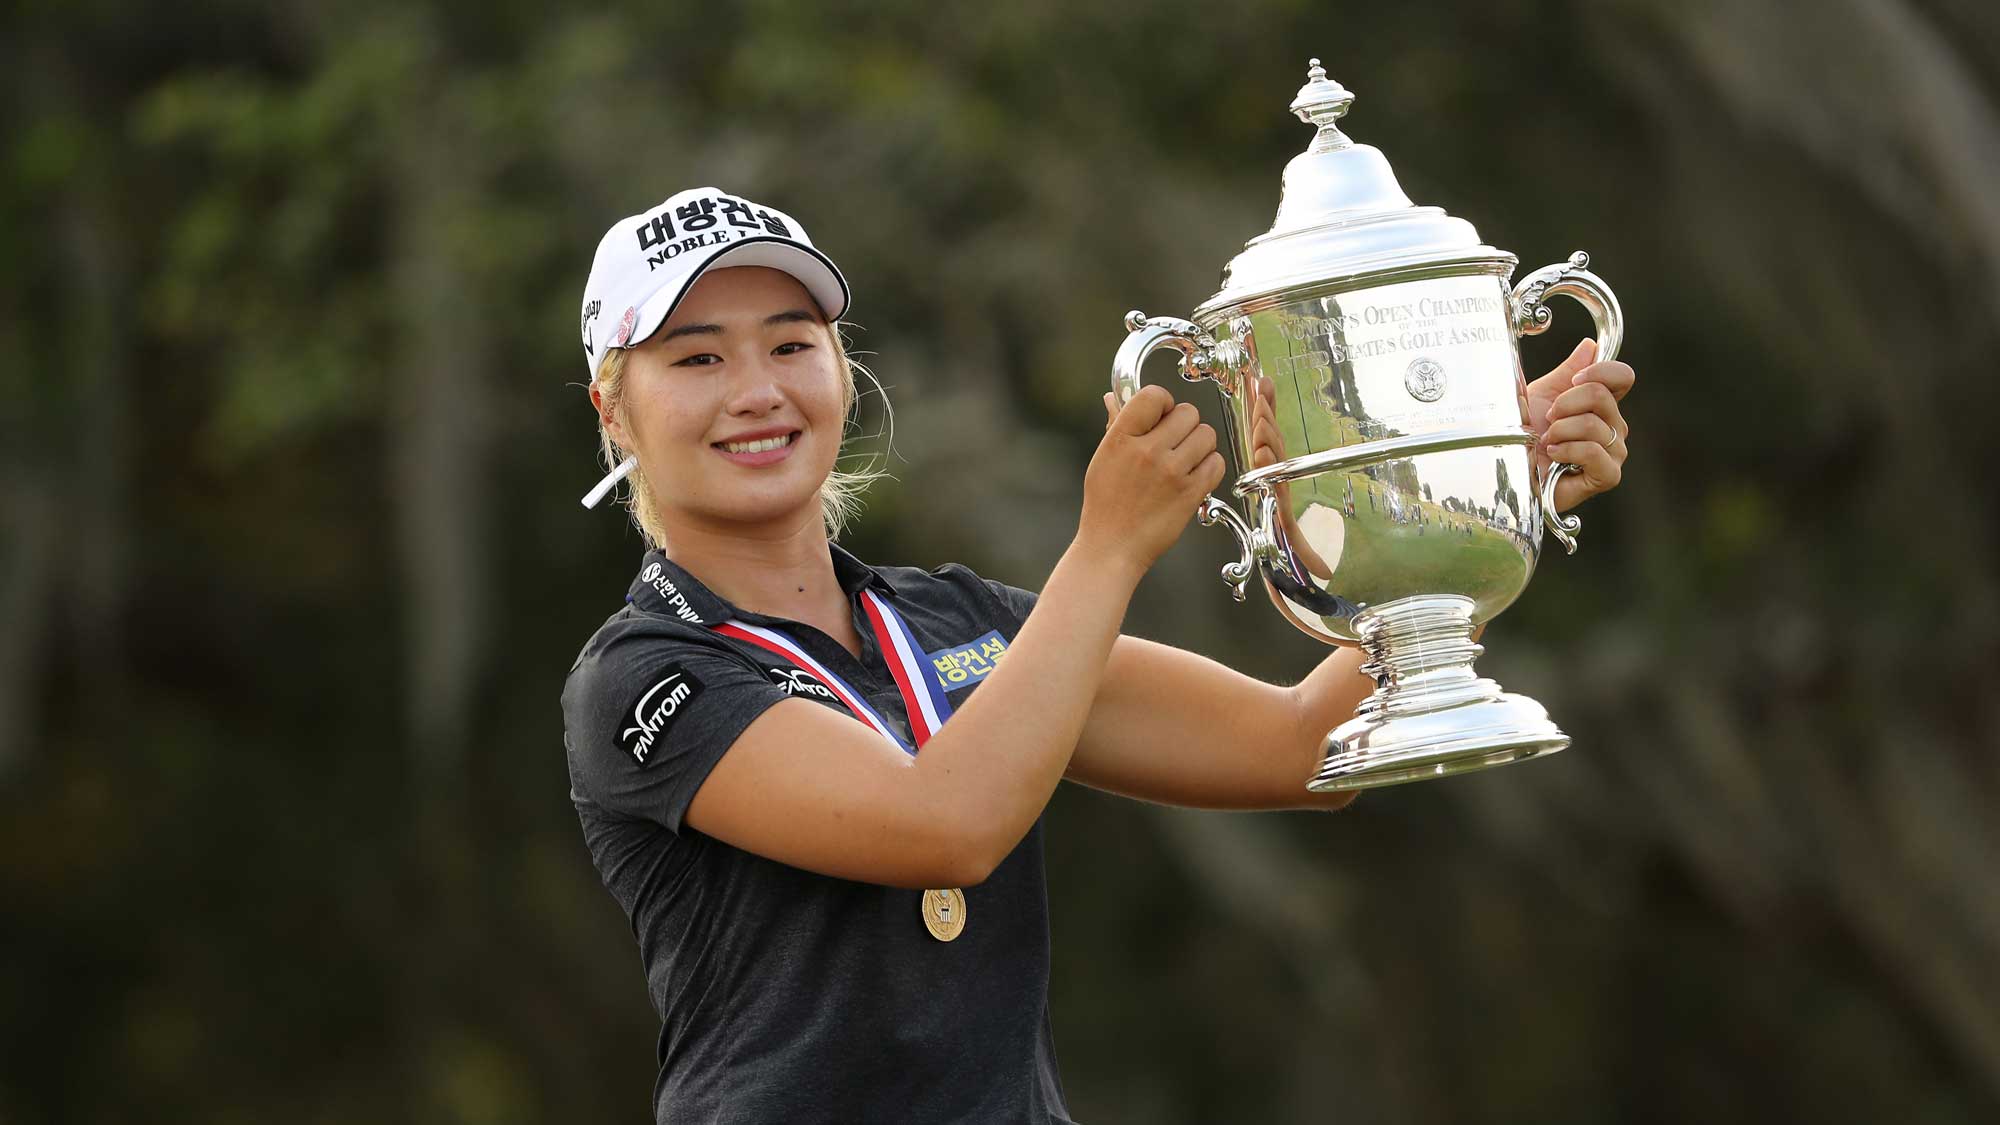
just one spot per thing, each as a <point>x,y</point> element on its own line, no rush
<point>1321,100</point>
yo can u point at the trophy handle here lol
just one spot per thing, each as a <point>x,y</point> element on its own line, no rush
<point>1531,318</point>
<point>1236,575</point>
<point>1201,358</point>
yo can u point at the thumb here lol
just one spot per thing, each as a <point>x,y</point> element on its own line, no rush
<point>1110,410</point>
<point>1580,357</point>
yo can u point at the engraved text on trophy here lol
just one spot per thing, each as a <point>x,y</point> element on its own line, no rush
<point>1408,358</point>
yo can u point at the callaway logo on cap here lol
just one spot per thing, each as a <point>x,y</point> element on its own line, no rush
<point>646,263</point>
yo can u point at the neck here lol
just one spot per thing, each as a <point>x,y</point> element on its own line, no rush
<point>783,571</point>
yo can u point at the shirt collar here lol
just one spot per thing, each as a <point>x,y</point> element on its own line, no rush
<point>665,587</point>
<point>853,574</point>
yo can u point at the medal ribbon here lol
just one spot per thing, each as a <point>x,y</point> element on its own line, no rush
<point>923,697</point>
<point>924,701</point>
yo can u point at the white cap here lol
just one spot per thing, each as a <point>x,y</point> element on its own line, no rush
<point>647,262</point>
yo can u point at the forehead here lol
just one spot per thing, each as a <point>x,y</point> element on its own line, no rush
<point>740,294</point>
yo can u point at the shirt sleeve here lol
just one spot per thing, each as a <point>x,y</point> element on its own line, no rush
<point>646,718</point>
<point>1018,602</point>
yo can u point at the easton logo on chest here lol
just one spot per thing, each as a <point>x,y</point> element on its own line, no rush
<point>960,666</point>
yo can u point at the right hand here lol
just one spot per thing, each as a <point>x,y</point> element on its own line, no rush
<point>1156,464</point>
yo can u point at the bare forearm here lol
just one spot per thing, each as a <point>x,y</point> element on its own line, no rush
<point>1327,698</point>
<point>1178,728</point>
<point>995,764</point>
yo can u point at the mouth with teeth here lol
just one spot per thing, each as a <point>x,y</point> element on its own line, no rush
<point>762,451</point>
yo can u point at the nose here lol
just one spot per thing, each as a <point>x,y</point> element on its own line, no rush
<point>754,390</point>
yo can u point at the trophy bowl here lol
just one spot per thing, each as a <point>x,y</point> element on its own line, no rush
<point>1367,354</point>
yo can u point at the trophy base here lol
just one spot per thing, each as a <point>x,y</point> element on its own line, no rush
<point>1429,716</point>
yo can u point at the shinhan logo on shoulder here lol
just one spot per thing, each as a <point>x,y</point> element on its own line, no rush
<point>655,710</point>
<point>656,576</point>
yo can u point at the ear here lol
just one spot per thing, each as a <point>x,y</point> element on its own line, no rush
<point>607,419</point>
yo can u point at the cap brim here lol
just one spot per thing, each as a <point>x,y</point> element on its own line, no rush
<point>811,268</point>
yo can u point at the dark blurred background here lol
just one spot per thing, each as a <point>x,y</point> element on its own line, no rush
<point>292,567</point>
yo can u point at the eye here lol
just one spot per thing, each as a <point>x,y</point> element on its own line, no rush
<point>792,348</point>
<point>700,359</point>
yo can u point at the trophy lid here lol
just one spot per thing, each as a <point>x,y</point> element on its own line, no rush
<point>1342,214</point>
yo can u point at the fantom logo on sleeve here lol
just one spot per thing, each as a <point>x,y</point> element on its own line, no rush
<point>655,711</point>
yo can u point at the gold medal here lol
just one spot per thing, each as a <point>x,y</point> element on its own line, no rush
<point>944,913</point>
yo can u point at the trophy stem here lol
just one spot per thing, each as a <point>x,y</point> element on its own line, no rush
<point>1429,716</point>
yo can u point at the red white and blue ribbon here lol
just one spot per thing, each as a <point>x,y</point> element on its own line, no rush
<point>923,697</point>
<point>780,645</point>
<point>924,701</point>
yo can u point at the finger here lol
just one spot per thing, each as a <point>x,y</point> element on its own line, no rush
<point>1579,358</point>
<point>1616,376</point>
<point>1264,435</point>
<point>1604,408</point>
<point>1584,398</point>
<point>1209,472</point>
<point>1581,427</point>
<point>1143,411</point>
<point>1194,448</point>
<point>1201,432</point>
<point>1601,471</point>
<point>1177,425</point>
<point>1110,409</point>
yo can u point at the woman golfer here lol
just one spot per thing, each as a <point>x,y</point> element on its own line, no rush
<point>815,785</point>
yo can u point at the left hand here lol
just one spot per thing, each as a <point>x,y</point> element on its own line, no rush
<point>1574,414</point>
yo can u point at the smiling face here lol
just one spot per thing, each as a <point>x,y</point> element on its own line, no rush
<point>735,406</point>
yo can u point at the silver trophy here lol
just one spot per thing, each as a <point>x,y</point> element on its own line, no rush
<point>1366,351</point>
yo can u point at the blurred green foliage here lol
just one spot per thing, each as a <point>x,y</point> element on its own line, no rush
<point>291,566</point>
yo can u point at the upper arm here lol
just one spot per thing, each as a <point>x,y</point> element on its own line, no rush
<point>1175,727</point>
<point>646,717</point>
<point>808,786</point>
<point>1166,724</point>
<point>681,733</point>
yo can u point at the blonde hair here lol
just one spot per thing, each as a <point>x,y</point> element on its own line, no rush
<point>839,496</point>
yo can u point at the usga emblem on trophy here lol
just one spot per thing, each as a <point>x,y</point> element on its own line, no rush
<point>1424,379</point>
<point>1366,351</point>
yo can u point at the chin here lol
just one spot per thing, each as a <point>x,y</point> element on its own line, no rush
<point>759,505</point>
<point>755,514</point>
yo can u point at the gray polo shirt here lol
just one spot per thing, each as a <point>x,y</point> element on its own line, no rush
<point>783,995</point>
